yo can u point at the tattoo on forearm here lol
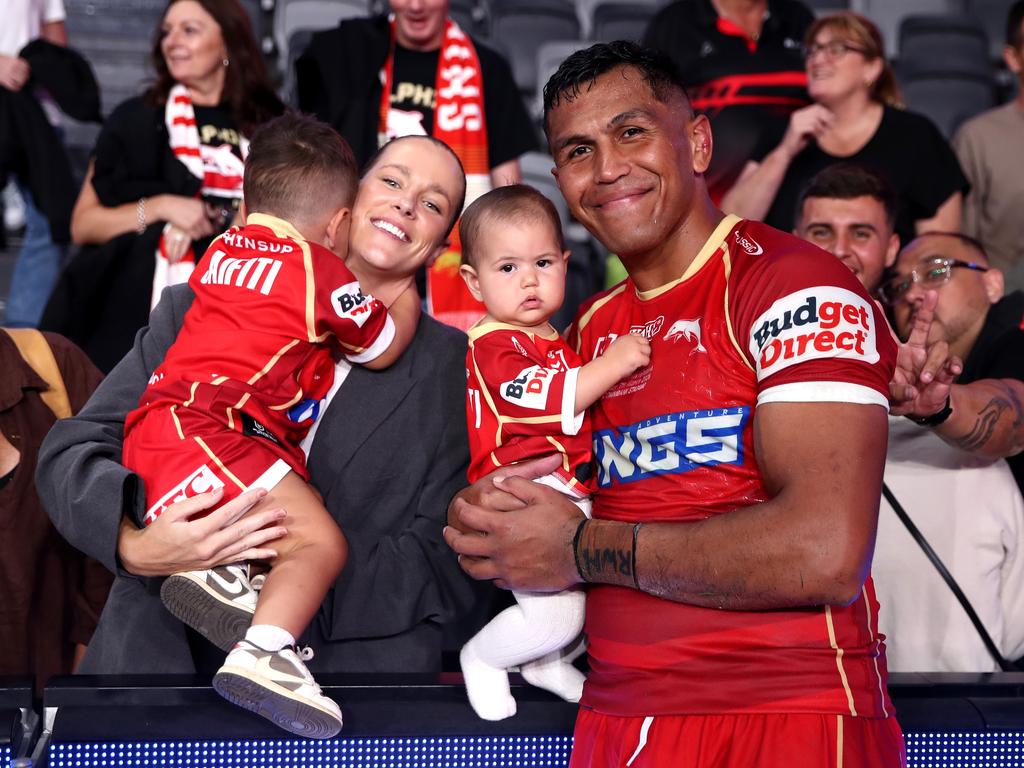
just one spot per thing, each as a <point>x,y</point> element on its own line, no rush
<point>986,422</point>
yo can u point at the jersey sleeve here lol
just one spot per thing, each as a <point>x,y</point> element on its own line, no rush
<point>361,323</point>
<point>808,329</point>
<point>520,385</point>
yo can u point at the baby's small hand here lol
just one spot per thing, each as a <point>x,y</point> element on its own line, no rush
<point>632,352</point>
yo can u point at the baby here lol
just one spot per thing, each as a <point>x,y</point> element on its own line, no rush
<point>528,393</point>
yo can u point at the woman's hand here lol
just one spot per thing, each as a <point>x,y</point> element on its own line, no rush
<point>14,72</point>
<point>176,244</point>
<point>806,124</point>
<point>175,542</point>
<point>188,214</point>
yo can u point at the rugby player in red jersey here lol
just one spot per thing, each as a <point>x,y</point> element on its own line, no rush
<point>730,614</point>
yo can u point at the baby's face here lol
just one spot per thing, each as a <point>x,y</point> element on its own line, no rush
<point>520,272</point>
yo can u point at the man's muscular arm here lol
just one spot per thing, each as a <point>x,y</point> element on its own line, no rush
<point>810,544</point>
<point>987,418</point>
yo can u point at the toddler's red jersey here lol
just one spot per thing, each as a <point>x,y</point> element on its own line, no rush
<point>521,396</point>
<point>253,355</point>
<point>759,317</point>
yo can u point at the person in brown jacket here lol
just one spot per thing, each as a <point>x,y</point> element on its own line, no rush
<point>51,595</point>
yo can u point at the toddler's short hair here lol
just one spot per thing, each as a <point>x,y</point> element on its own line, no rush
<point>514,203</point>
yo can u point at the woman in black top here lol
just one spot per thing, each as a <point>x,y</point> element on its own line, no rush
<point>857,117</point>
<point>165,176</point>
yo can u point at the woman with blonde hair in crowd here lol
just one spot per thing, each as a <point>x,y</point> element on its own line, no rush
<point>858,117</point>
<point>165,176</point>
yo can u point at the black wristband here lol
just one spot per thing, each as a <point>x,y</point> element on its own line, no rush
<point>936,418</point>
<point>576,546</point>
<point>636,532</point>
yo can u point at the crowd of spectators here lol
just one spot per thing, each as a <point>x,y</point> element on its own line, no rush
<point>808,134</point>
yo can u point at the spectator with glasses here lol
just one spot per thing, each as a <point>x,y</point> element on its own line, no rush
<point>857,117</point>
<point>983,412</point>
<point>966,505</point>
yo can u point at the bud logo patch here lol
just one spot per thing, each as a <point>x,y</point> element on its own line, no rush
<point>811,324</point>
<point>670,444</point>
<point>529,389</point>
<point>351,303</point>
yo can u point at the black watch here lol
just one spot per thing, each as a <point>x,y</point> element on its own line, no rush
<point>936,418</point>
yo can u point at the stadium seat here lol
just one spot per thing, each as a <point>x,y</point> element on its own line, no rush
<point>621,21</point>
<point>948,98</point>
<point>888,14</point>
<point>295,21</point>
<point>549,56</point>
<point>520,27</point>
<point>946,43</point>
<point>991,14</point>
<point>585,10</point>
<point>472,16</point>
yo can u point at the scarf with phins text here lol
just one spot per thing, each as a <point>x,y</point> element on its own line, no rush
<point>458,122</point>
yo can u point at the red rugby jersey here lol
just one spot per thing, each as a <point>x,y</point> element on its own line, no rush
<point>521,394</point>
<point>253,354</point>
<point>759,317</point>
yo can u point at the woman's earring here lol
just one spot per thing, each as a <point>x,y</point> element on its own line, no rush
<point>225,62</point>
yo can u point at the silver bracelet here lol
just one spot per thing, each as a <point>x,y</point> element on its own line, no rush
<point>140,215</point>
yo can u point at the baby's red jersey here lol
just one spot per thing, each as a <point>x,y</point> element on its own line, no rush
<point>759,317</point>
<point>253,355</point>
<point>521,395</point>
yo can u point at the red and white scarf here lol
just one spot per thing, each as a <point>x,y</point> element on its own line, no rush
<point>459,121</point>
<point>222,178</point>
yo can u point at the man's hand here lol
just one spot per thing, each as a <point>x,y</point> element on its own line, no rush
<point>175,542</point>
<point>522,538</point>
<point>924,374</point>
<point>486,492</point>
<point>14,72</point>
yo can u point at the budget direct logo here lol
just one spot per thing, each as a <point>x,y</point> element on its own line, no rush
<point>351,303</point>
<point>815,323</point>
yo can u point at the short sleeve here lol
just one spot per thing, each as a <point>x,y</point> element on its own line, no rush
<point>53,10</point>
<point>521,388</point>
<point>810,331</point>
<point>361,323</point>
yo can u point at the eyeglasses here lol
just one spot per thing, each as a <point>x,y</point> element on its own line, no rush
<point>832,49</point>
<point>931,274</point>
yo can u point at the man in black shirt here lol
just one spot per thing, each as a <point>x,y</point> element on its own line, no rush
<point>982,413</point>
<point>743,64</point>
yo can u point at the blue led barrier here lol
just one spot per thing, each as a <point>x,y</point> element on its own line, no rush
<point>965,750</point>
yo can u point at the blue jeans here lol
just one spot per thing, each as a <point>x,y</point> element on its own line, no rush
<point>36,270</point>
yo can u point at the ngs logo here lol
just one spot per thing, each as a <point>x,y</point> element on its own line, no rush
<point>670,444</point>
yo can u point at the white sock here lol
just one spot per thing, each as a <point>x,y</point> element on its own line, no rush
<point>487,686</point>
<point>555,672</point>
<point>268,637</point>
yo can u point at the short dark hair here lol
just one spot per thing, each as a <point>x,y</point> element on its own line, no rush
<point>514,203</point>
<point>582,68</point>
<point>846,181</point>
<point>298,167</point>
<point>1013,21</point>
<point>458,202</point>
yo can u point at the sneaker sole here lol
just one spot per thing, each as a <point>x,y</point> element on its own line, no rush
<point>220,622</point>
<point>276,704</point>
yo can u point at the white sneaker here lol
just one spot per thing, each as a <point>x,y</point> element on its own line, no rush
<point>217,603</point>
<point>276,685</point>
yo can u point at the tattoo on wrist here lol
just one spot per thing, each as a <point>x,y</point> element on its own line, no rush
<point>984,425</point>
<point>597,563</point>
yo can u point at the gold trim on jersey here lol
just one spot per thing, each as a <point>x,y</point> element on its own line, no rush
<point>271,362</point>
<point>219,463</point>
<point>481,328</point>
<point>871,632</point>
<point>283,229</point>
<point>839,659</point>
<point>590,312</point>
<point>839,741</point>
<point>561,449</point>
<point>727,262</point>
<point>709,249</point>
<point>191,394</point>
<point>219,380</point>
<point>177,424</point>
<point>289,404</point>
<point>487,399</point>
